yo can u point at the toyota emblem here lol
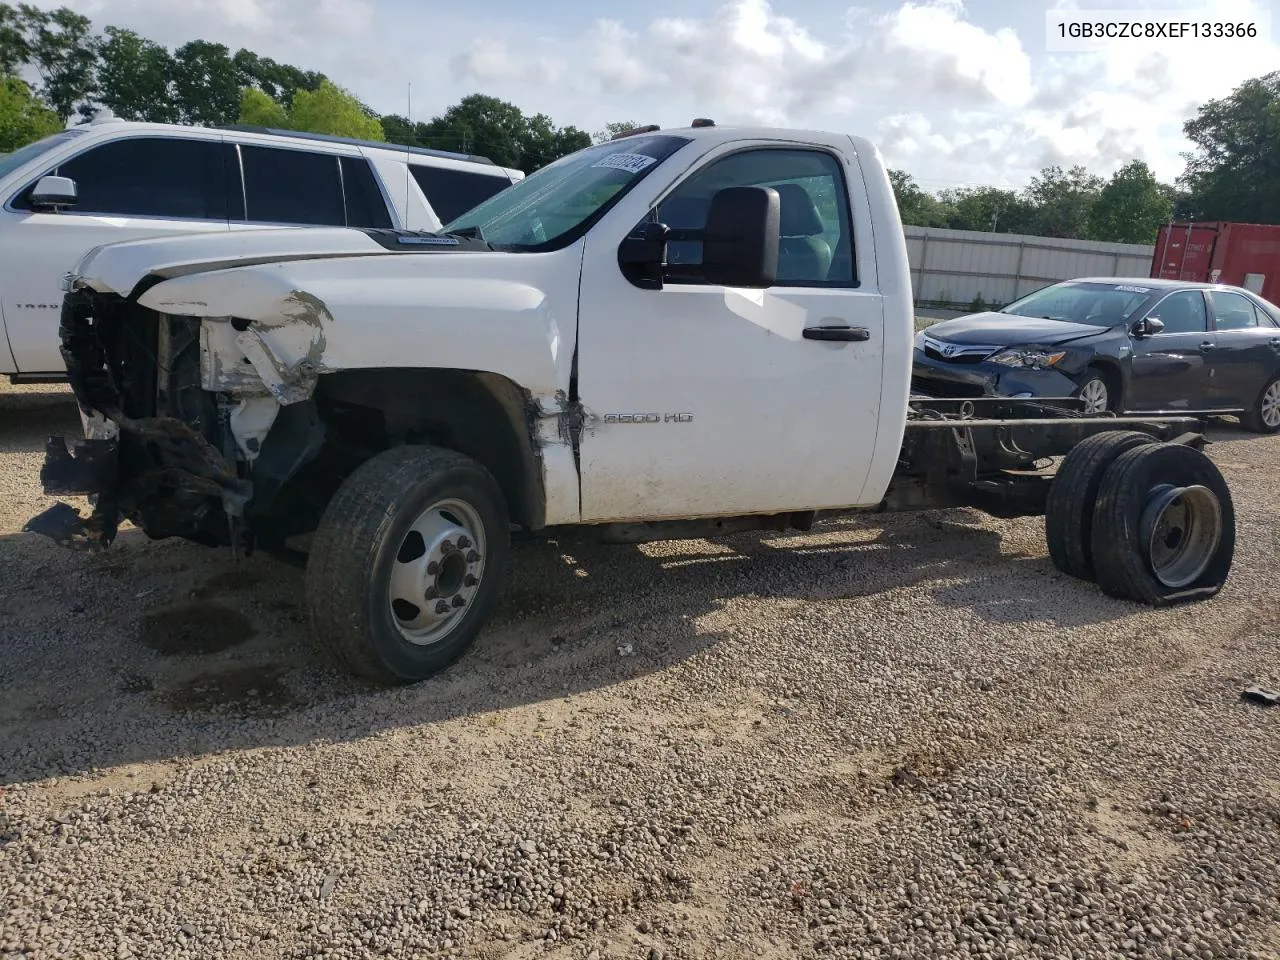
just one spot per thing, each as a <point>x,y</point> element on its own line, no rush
<point>949,350</point>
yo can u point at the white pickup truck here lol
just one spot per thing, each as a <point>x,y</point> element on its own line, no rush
<point>680,332</point>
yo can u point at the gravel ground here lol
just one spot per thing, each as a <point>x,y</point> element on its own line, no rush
<point>892,738</point>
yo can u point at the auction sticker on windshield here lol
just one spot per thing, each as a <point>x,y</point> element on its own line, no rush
<point>633,162</point>
<point>1129,289</point>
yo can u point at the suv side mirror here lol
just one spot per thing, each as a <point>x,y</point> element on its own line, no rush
<point>1148,327</point>
<point>740,241</point>
<point>51,193</point>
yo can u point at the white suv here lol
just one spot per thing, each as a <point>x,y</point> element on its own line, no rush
<point>113,180</point>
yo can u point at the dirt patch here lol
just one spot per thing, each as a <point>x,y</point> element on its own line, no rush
<point>229,581</point>
<point>195,628</point>
<point>257,690</point>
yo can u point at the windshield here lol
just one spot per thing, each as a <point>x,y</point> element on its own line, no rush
<point>557,204</point>
<point>1101,304</point>
<point>10,162</point>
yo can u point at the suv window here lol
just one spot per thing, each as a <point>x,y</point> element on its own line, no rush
<point>1231,311</point>
<point>147,177</point>
<point>366,206</point>
<point>815,244</point>
<point>1182,312</point>
<point>292,186</point>
<point>452,193</point>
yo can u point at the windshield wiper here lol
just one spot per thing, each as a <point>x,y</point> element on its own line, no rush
<point>468,233</point>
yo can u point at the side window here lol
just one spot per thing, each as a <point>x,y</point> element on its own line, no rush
<point>815,244</point>
<point>365,204</point>
<point>292,186</point>
<point>1232,311</point>
<point>148,177</point>
<point>1182,312</point>
<point>452,193</point>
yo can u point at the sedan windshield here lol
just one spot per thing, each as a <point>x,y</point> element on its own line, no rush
<point>1100,304</point>
<point>557,204</point>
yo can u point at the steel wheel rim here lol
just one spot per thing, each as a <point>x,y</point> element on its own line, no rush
<point>1271,405</point>
<point>1181,528</point>
<point>1094,395</point>
<point>437,571</point>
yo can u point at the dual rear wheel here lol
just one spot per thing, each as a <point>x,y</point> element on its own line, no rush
<point>1147,521</point>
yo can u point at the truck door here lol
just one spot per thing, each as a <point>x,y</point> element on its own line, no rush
<point>704,400</point>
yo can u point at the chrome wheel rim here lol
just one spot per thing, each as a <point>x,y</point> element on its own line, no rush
<point>1181,527</point>
<point>1271,405</point>
<point>1094,395</point>
<point>437,571</point>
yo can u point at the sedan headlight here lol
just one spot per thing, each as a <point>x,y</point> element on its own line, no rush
<point>1035,357</point>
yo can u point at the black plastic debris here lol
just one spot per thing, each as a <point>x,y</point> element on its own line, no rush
<point>1261,695</point>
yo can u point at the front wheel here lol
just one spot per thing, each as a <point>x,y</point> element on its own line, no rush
<point>406,563</point>
<point>1096,394</point>
<point>1264,417</point>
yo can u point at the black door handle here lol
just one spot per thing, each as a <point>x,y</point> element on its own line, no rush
<point>857,334</point>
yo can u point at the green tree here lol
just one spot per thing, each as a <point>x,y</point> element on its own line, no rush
<point>330,109</point>
<point>986,209</point>
<point>23,117</point>
<point>498,130</point>
<point>14,50</point>
<point>1130,208</point>
<point>206,84</point>
<point>259,110</point>
<point>279,81</point>
<point>63,51</point>
<point>916,207</point>
<point>611,130</point>
<point>398,129</point>
<point>135,78</point>
<point>1062,201</point>
<point>1234,172</point>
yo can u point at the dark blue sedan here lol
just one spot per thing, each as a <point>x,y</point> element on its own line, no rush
<point>1129,346</point>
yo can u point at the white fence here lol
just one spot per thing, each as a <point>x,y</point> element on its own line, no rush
<point>950,268</point>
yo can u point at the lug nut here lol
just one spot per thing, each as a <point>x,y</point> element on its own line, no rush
<point>472,556</point>
<point>447,547</point>
<point>463,543</point>
<point>469,581</point>
<point>442,606</point>
<point>458,601</point>
<point>433,568</point>
<point>430,594</point>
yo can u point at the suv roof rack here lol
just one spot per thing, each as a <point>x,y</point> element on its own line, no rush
<point>377,144</point>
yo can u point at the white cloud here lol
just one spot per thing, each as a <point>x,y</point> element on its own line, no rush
<point>951,96</point>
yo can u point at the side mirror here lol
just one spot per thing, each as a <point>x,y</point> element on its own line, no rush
<point>51,193</point>
<point>641,256</point>
<point>740,241</point>
<point>1148,327</point>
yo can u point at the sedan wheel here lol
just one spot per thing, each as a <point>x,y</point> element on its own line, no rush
<point>1264,417</point>
<point>1096,396</point>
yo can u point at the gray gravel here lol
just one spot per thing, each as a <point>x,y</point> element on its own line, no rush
<point>903,737</point>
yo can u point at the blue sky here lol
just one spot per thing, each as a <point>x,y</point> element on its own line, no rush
<point>954,92</point>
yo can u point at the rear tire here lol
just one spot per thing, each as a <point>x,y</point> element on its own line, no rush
<point>406,563</point>
<point>1068,516</point>
<point>1164,527</point>
<point>1264,416</point>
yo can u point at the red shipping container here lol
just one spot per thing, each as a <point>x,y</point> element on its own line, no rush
<point>1241,254</point>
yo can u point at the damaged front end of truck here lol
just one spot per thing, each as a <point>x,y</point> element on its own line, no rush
<point>156,450</point>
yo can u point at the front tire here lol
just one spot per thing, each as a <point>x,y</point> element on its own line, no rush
<point>1096,393</point>
<point>1264,416</point>
<point>407,563</point>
